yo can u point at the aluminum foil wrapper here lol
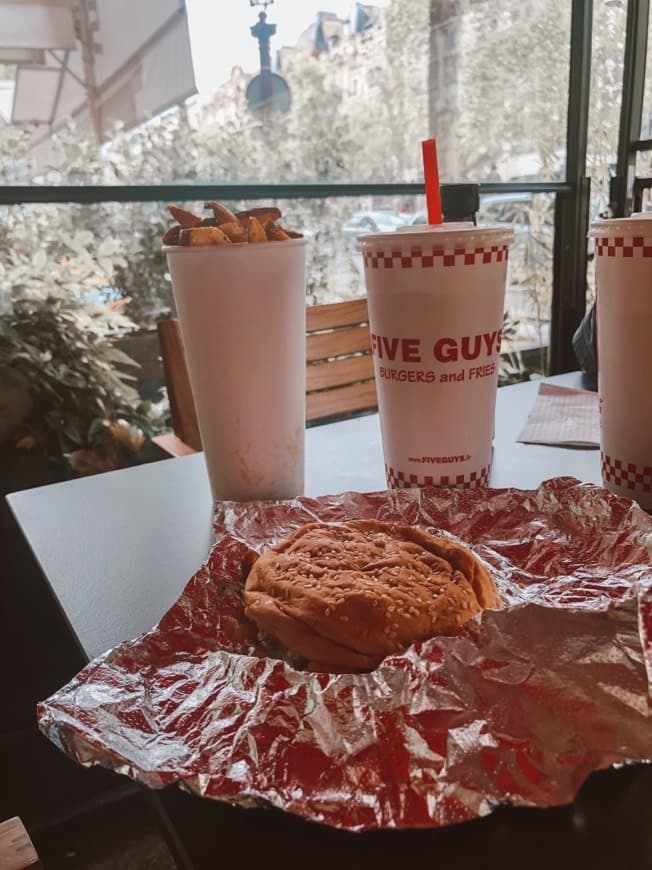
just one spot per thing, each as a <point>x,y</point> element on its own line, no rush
<point>519,707</point>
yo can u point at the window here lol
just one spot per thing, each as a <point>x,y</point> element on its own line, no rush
<point>355,97</point>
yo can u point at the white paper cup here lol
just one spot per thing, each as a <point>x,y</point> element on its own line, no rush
<point>242,312</point>
<point>623,270</point>
<point>436,299</point>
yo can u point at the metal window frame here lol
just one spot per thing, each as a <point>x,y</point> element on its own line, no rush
<point>571,205</point>
<point>88,194</point>
<point>572,208</point>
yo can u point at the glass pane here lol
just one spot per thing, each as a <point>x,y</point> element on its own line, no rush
<point>646,199</point>
<point>509,115</point>
<point>121,243</point>
<point>644,164</point>
<point>529,281</point>
<point>109,257</point>
<point>608,47</point>
<point>365,84</point>
<point>609,20</point>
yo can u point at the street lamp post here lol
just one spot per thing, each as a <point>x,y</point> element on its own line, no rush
<point>267,92</point>
<point>263,32</point>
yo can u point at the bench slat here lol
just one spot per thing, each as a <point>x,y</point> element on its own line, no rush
<point>331,316</point>
<point>339,372</point>
<point>341,400</point>
<point>342,342</point>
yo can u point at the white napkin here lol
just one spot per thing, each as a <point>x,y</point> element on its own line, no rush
<point>563,416</point>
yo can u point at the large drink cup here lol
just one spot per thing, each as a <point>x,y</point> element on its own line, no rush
<point>436,300</point>
<point>623,271</point>
<point>242,313</point>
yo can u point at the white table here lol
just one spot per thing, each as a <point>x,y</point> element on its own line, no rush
<point>118,548</point>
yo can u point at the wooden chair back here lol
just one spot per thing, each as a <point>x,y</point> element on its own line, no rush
<point>182,405</point>
<point>339,371</point>
<point>339,365</point>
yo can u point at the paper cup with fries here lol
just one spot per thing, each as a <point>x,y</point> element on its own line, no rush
<point>240,291</point>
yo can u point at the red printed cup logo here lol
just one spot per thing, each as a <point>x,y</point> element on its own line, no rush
<point>481,349</point>
<point>406,480</point>
<point>428,259</point>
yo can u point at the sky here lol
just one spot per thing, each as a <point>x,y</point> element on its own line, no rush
<point>220,37</point>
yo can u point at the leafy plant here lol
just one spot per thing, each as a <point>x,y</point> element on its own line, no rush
<point>57,341</point>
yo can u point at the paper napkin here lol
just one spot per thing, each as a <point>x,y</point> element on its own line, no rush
<point>563,416</point>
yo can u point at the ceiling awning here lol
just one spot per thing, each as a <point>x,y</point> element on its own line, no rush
<point>126,61</point>
<point>37,25</point>
<point>22,55</point>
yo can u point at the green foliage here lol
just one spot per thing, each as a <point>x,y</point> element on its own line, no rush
<point>57,339</point>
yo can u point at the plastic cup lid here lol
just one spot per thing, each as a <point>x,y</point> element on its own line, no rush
<point>455,233</point>
<point>638,224</point>
<point>437,228</point>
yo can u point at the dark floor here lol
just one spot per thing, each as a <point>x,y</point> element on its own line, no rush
<point>121,837</point>
<point>70,813</point>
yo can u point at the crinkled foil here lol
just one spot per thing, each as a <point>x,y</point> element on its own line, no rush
<point>519,707</point>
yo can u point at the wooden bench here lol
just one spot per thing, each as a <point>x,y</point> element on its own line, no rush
<point>339,372</point>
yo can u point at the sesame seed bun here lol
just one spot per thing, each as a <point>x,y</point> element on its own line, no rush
<point>342,596</point>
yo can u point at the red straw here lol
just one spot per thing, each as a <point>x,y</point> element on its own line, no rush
<point>431,174</point>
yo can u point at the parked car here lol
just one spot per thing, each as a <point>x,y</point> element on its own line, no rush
<point>506,208</point>
<point>371,222</point>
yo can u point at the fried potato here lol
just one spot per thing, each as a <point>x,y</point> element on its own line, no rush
<point>264,215</point>
<point>184,218</point>
<point>225,228</point>
<point>171,237</point>
<point>275,233</point>
<point>201,236</point>
<point>235,231</point>
<point>221,213</point>
<point>255,230</point>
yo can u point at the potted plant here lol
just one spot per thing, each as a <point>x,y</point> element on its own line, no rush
<point>67,388</point>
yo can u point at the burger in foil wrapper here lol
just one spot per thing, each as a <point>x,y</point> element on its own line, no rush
<point>513,705</point>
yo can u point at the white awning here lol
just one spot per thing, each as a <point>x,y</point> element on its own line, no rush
<point>127,60</point>
<point>37,25</point>
<point>41,83</point>
<point>22,55</point>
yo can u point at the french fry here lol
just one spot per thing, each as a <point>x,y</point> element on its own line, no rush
<point>255,230</point>
<point>184,218</point>
<point>221,213</point>
<point>171,237</point>
<point>264,215</point>
<point>275,233</point>
<point>225,228</point>
<point>202,236</point>
<point>234,231</point>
